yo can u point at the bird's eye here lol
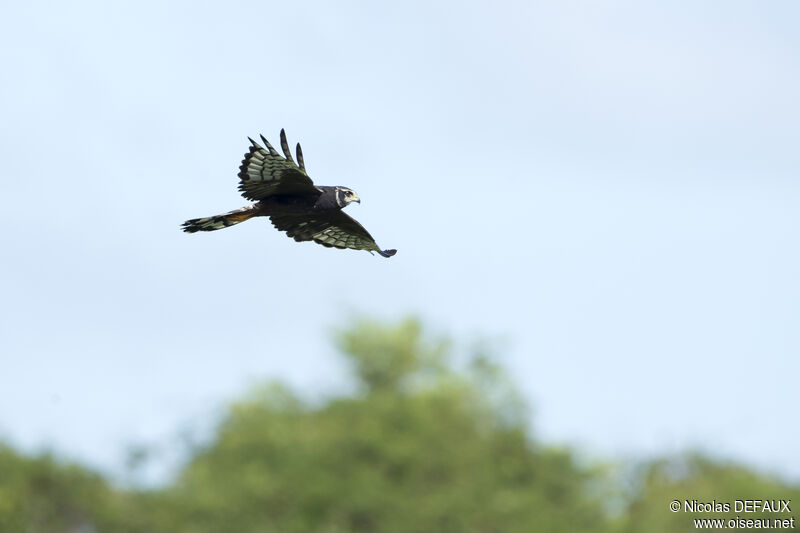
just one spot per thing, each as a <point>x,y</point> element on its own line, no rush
<point>349,193</point>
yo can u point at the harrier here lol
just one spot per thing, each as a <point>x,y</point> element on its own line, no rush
<point>282,191</point>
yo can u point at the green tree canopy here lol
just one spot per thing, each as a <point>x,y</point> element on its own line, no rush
<point>695,477</point>
<point>424,445</point>
<point>43,495</point>
<point>423,449</point>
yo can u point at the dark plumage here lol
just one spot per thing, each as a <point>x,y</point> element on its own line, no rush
<point>282,191</point>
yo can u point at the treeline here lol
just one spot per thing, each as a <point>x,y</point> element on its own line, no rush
<point>424,445</point>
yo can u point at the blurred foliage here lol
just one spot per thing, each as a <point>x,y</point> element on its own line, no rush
<point>42,495</point>
<point>694,477</point>
<point>424,445</point>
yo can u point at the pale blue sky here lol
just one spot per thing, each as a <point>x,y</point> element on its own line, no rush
<point>610,187</point>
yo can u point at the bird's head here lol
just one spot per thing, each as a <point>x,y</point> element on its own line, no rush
<point>344,196</point>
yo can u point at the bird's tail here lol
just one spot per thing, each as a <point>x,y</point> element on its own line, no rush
<point>219,221</point>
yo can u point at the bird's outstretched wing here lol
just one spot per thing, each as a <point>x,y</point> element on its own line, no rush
<point>264,172</point>
<point>333,229</point>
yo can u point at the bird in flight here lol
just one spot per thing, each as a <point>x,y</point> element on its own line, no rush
<point>283,191</point>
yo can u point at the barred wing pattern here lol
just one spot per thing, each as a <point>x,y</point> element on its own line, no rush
<point>283,191</point>
<point>264,172</point>
<point>333,229</point>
